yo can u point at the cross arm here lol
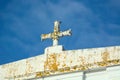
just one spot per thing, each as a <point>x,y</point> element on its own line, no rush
<point>65,33</point>
<point>46,36</point>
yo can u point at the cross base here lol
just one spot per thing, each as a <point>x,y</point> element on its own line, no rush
<point>54,49</point>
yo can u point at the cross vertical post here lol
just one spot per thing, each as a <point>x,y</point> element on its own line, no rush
<point>55,33</point>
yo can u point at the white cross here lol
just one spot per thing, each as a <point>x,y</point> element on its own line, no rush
<point>56,34</point>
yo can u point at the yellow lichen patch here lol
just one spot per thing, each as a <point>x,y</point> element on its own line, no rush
<point>61,70</point>
<point>82,59</point>
<point>82,67</point>
<point>105,57</point>
<point>28,67</point>
<point>102,63</point>
<point>67,68</point>
<point>46,73</point>
<point>74,67</point>
<point>39,74</point>
<point>51,62</point>
<point>89,65</point>
<point>64,65</point>
<point>116,61</point>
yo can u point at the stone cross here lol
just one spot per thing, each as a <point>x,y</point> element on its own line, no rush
<point>56,34</point>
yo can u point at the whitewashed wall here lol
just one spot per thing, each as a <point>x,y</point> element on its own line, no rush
<point>62,62</point>
<point>22,68</point>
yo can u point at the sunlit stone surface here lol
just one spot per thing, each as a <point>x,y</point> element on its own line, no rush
<point>59,64</point>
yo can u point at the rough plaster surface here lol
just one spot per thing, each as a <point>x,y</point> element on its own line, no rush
<point>60,62</point>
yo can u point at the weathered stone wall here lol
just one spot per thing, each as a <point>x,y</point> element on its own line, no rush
<point>74,60</point>
<point>104,73</point>
<point>22,68</point>
<point>61,62</point>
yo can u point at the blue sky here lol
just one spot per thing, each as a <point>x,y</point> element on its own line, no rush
<point>94,23</point>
